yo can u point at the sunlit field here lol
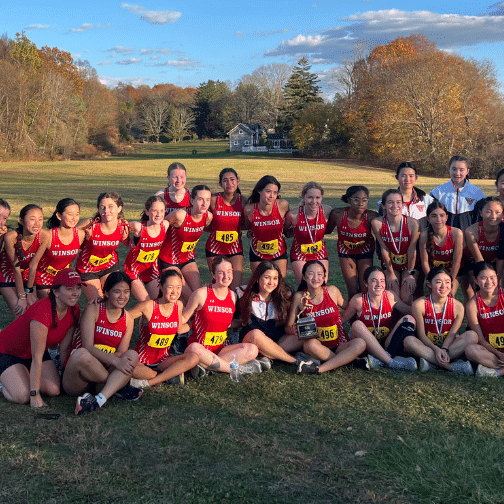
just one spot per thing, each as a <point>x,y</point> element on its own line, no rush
<point>348,436</point>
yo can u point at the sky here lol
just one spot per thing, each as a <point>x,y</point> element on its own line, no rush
<point>188,43</point>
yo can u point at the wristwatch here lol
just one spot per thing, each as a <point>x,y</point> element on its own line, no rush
<point>34,393</point>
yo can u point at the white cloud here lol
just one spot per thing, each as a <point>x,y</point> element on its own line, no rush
<point>448,31</point>
<point>267,33</point>
<point>162,50</point>
<point>114,81</point>
<point>146,51</point>
<point>104,63</point>
<point>37,27</point>
<point>155,58</point>
<point>153,17</point>
<point>120,50</point>
<point>180,63</point>
<point>131,61</point>
<point>86,27</point>
<point>239,33</point>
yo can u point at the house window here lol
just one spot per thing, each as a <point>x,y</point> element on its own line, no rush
<point>240,132</point>
<point>247,142</point>
<point>235,142</point>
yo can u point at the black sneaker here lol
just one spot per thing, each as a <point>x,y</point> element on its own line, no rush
<point>360,364</point>
<point>86,404</point>
<point>307,367</point>
<point>129,393</point>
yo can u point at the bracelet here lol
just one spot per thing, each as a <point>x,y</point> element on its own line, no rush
<point>29,290</point>
<point>22,296</point>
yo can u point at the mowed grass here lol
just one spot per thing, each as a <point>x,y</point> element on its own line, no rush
<point>343,437</point>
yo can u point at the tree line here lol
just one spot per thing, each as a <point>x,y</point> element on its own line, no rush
<point>404,100</point>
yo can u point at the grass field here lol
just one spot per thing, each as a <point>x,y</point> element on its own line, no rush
<point>347,436</point>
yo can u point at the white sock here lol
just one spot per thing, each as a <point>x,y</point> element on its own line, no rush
<point>101,399</point>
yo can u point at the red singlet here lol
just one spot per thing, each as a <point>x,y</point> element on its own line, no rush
<point>437,325</point>
<point>100,250</point>
<point>58,257</point>
<point>225,235</point>
<point>157,335</point>
<point>399,258</point>
<point>378,325</point>
<point>491,320</point>
<point>308,243</point>
<point>179,245</point>
<point>488,249</point>
<point>442,256</point>
<point>328,319</point>
<point>212,321</point>
<point>171,205</point>
<point>357,240</point>
<point>6,271</point>
<point>141,261</point>
<point>267,233</point>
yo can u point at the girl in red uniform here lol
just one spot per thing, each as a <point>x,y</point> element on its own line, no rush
<point>58,248</point>
<point>438,319</point>
<point>176,195</point>
<point>225,233</point>
<point>332,346</point>
<point>104,232</point>
<point>5,211</point>
<point>355,240</point>
<point>308,224</point>
<point>159,324</point>
<point>20,246</point>
<point>141,264</point>
<point>485,316</point>
<point>264,216</point>
<point>100,354</point>
<point>26,369</point>
<point>384,341</point>
<point>397,235</point>
<point>179,246</point>
<point>441,245</point>
<point>213,309</point>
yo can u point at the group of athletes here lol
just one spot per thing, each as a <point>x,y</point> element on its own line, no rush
<point>447,238</point>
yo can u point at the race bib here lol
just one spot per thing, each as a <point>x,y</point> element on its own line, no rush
<point>353,245</point>
<point>328,333</point>
<point>439,264</point>
<point>496,340</point>
<point>189,246</point>
<point>267,248</point>
<point>147,256</point>
<point>400,260</point>
<point>226,236</point>
<point>99,261</point>
<point>311,248</point>
<point>437,339</point>
<point>106,348</point>
<point>383,332</point>
<point>52,271</point>
<point>164,341</point>
<point>215,338</point>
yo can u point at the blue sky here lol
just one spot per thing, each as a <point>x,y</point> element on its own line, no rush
<point>187,43</point>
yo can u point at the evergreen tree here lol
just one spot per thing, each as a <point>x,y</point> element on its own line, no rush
<point>300,91</point>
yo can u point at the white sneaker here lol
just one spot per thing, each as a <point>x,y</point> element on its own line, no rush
<point>136,382</point>
<point>403,364</point>
<point>425,366</point>
<point>265,363</point>
<point>374,362</point>
<point>462,367</point>
<point>483,371</point>
<point>252,366</point>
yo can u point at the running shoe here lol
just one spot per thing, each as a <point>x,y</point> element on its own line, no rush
<point>265,363</point>
<point>374,362</point>
<point>425,366</point>
<point>308,367</point>
<point>360,364</point>
<point>250,367</point>
<point>403,364</point>
<point>137,383</point>
<point>301,356</point>
<point>484,371</point>
<point>86,404</point>
<point>462,367</point>
<point>129,393</point>
<point>198,371</point>
<point>177,380</point>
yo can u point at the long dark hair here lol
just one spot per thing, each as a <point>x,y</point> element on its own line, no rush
<point>22,214</point>
<point>229,170</point>
<point>303,285</point>
<point>280,296</point>
<point>118,201</point>
<point>430,230</point>
<point>62,204</point>
<point>150,201</point>
<point>261,184</point>
<point>113,279</point>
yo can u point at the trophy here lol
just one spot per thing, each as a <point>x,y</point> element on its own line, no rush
<point>306,326</point>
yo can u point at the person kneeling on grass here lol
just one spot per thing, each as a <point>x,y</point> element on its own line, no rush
<point>485,316</point>
<point>160,323</point>
<point>100,354</point>
<point>322,302</point>
<point>438,318</point>
<point>374,309</point>
<point>213,307</point>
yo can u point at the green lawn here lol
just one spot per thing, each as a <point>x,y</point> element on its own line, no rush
<point>347,436</point>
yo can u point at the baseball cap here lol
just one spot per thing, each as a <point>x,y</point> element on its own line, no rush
<point>67,277</point>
